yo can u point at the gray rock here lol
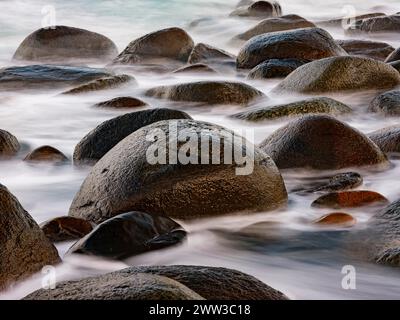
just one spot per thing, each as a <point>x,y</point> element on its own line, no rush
<point>24,249</point>
<point>171,43</point>
<point>307,44</point>
<point>309,106</point>
<point>9,145</point>
<point>130,234</point>
<point>287,22</point>
<point>126,179</point>
<point>366,48</point>
<point>209,92</point>
<point>105,83</point>
<point>337,74</point>
<point>47,76</point>
<point>204,53</point>
<point>388,139</point>
<point>62,44</point>
<point>395,64</point>
<point>118,286</point>
<point>321,142</point>
<point>387,103</point>
<point>105,136</point>
<point>165,283</point>
<point>347,21</point>
<point>275,68</point>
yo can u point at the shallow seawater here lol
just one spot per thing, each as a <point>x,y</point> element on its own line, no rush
<point>307,266</point>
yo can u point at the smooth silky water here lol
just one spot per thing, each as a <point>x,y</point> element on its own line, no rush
<point>307,265</point>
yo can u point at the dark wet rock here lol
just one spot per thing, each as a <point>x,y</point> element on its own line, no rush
<point>395,64</point>
<point>46,154</point>
<point>381,240</point>
<point>348,21</point>
<point>340,182</point>
<point>350,199</point>
<point>382,24</point>
<point>388,139</point>
<point>126,180</point>
<point>195,68</point>
<point>66,228</point>
<point>171,43</point>
<point>47,76</point>
<point>394,56</point>
<point>130,234</point>
<point>284,23</point>
<point>24,249</point>
<point>196,282</point>
<point>307,44</point>
<point>366,48</point>
<point>321,142</point>
<point>204,53</point>
<point>336,219</point>
<point>209,92</point>
<point>105,83</point>
<point>61,44</point>
<point>387,103</point>
<point>297,108</point>
<point>121,103</point>
<point>258,9</point>
<point>275,68</point>
<point>118,285</point>
<point>9,145</point>
<point>337,74</point>
<point>104,137</point>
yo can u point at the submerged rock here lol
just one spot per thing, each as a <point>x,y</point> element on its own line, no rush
<point>297,108</point>
<point>9,145</point>
<point>284,23</point>
<point>118,286</point>
<point>46,154</point>
<point>62,43</point>
<point>388,139</point>
<point>134,176</point>
<point>209,92</point>
<point>202,282</point>
<point>395,64</point>
<point>66,228</point>
<point>105,136</point>
<point>350,199</point>
<point>340,182</point>
<point>47,76</point>
<point>209,54</point>
<point>105,83</point>
<point>377,24</point>
<point>394,56</point>
<point>366,48</point>
<point>195,68</point>
<point>387,103</point>
<point>337,74</point>
<point>321,142</point>
<point>258,9</point>
<point>121,103</point>
<point>346,23</point>
<point>336,219</point>
<point>307,44</point>
<point>171,43</point>
<point>275,68</point>
<point>24,249</point>
<point>130,234</point>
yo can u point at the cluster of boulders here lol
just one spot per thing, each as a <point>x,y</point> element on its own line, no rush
<point>128,206</point>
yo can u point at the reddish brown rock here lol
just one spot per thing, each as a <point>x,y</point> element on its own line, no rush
<point>66,228</point>
<point>9,145</point>
<point>350,199</point>
<point>46,154</point>
<point>121,103</point>
<point>339,219</point>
